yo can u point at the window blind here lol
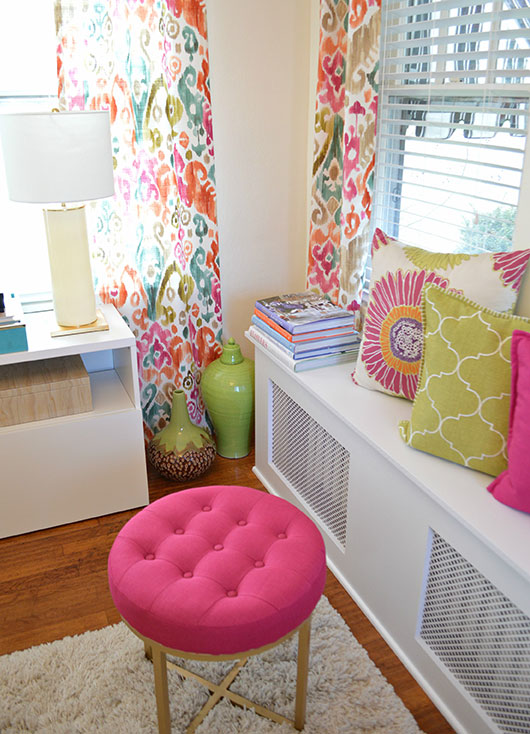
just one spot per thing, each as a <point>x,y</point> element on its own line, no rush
<point>452,121</point>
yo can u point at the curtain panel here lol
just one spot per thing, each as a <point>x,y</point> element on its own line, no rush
<point>155,252</point>
<point>344,148</point>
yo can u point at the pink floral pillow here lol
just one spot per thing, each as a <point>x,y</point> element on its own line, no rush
<point>512,487</point>
<point>392,342</point>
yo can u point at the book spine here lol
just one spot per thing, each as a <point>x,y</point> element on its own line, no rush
<point>304,353</point>
<point>323,351</point>
<point>303,364</point>
<point>314,347</point>
<point>259,318</point>
<point>347,332</point>
<point>260,324</point>
<point>332,344</point>
<point>273,347</point>
<point>328,361</point>
<point>262,316</point>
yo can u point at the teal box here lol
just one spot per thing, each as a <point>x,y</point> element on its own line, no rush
<point>13,339</point>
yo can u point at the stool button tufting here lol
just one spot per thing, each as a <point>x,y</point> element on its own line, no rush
<point>177,603</point>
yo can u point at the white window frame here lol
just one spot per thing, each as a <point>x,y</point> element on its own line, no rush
<point>446,87</point>
<point>521,235</point>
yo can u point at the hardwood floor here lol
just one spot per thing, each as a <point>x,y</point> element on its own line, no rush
<point>54,583</point>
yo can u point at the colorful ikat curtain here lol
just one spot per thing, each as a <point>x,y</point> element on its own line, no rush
<point>344,148</point>
<point>155,250</point>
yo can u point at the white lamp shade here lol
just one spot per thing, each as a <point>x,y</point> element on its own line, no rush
<point>57,157</point>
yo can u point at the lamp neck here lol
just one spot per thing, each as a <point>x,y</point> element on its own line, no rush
<point>64,208</point>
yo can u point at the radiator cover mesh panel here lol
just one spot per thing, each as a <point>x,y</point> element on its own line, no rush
<point>480,636</point>
<point>314,463</point>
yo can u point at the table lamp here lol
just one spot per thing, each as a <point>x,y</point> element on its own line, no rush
<point>61,158</point>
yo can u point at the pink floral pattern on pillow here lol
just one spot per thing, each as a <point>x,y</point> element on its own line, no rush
<point>512,266</point>
<point>393,335</point>
<point>390,352</point>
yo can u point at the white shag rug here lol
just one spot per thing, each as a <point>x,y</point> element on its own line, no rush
<point>100,682</point>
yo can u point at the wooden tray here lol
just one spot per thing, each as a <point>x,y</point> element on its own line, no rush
<point>43,388</point>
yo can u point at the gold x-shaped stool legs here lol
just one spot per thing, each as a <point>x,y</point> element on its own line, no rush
<point>158,654</point>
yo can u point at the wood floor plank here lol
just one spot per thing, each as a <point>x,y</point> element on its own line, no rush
<point>53,583</point>
<point>24,638</point>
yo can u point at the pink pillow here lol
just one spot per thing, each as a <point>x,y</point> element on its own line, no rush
<point>512,487</point>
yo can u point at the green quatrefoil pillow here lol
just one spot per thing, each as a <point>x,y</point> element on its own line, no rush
<point>462,405</point>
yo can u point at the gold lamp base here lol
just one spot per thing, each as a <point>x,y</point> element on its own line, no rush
<point>100,324</point>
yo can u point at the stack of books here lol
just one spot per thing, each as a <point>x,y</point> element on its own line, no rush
<point>305,330</point>
<point>12,329</point>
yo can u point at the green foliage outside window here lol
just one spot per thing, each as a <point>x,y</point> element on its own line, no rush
<point>491,232</point>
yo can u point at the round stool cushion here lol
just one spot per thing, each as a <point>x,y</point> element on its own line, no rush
<point>217,570</point>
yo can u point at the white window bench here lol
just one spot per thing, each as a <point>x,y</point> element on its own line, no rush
<point>436,563</point>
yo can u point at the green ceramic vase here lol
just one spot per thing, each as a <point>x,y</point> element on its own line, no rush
<point>228,390</point>
<point>181,450</point>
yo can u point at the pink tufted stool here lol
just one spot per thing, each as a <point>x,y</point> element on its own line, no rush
<point>216,573</point>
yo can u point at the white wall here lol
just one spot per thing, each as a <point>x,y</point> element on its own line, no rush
<point>261,86</point>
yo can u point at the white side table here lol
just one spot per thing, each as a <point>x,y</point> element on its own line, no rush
<point>74,467</point>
